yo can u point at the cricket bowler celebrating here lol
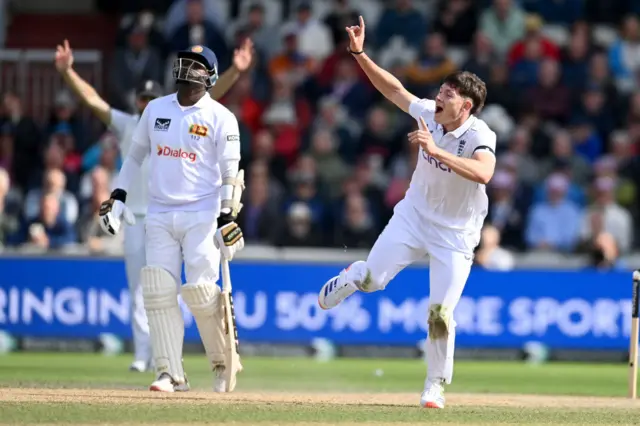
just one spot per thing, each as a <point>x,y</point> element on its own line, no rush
<point>441,214</point>
<point>122,124</point>
<point>193,145</point>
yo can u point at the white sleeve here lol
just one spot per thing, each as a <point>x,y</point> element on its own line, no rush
<point>424,108</point>
<point>119,122</point>
<point>228,147</point>
<point>137,153</point>
<point>485,142</point>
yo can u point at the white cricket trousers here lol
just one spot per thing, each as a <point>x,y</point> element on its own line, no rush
<point>174,237</point>
<point>407,238</point>
<point>134,261</point>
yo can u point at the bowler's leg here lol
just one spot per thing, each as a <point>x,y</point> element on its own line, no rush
<point>135,259</point>
<point>448,273</point>
<point>202,296</point>
<point>159,280</point>
<point>395,249</point>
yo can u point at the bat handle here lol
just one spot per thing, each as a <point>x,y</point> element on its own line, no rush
<point>226,275</point>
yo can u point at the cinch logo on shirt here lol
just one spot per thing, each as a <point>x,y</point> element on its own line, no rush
<point>166,151</point>
<point>435,162</point>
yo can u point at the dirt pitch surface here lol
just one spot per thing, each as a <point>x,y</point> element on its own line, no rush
<point>115,397</point>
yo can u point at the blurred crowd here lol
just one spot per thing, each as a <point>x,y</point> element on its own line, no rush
<point>327,158</point>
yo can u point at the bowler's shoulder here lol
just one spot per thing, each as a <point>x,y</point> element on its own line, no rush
<point>481,132</point>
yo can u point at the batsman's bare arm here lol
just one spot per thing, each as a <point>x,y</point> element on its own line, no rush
<point>242,59</point>
<point>383,81</point>
<point>82,89</point>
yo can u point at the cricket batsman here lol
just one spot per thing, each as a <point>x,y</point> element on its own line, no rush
<point>193,147</point>
<point>123,124</point>
<point>442,212</point>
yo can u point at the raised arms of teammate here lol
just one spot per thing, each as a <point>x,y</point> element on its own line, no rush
<point>242,58</point>
<point>82,89</point>
<point>384,82</point>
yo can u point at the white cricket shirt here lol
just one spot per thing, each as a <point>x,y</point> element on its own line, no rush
<point>186,146</point>
<point>439,194</point>
<point>123,126</point>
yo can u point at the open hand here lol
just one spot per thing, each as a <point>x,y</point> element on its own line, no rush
<point>64,57</point>
<point>243,56</point>
<point>423,137</point>
<point>356,36</point>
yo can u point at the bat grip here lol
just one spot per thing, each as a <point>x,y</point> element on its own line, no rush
<point>226,275</point>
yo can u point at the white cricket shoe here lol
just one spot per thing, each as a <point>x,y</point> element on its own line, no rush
<point>165,383</point>
<point>335,291</point>
<point>433,395</point>
<point>220,381</point>
<point>139,366</point>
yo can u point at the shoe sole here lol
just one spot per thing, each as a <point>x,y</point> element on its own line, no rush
<point>431,405</point>
<point>155,388</point>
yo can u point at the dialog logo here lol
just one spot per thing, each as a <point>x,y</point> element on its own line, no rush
<point>167,151</point>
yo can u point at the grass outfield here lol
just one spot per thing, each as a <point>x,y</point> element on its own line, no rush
<point>93,389</point>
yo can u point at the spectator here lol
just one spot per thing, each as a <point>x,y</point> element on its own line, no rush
<point>599,75</point>
<point>64,139</point>
<point>6,146</point>
<point>402,21</point>
<point>314,37</point>
<point>357,228</point>
<point>241,99</point>
<point>563,156</point>
<point>594,109</point>
<point>378,138</point>
<point>554,224</point>
<point>178,15</point>
<point>294,65</point>
<point>9,220</point>
<point>90,232</point>
<point>457,20</point>
<point>96,180</point>
<point>490,255</point>
<point>499,91</point>
<point>625,189</point>
<point>520,151</point>
<point>334,117</point>
<point>504,24</point>
<point>533,34</point>
<point>26,138</point>
<point>431,66</point>
<point>197,30</point>
<point>254,26</point>
<point>342,15</point>
<point>540,131</point>
<point>624,54</point>
<point>482,58</point>
<point>348,89</point>
<point>299,230</point>
<point>575,61</point>
<point>259,216</point>
<point>525,72</point>
<point>54,183</point>
<point>132,64</point>
<point>604,254</point>
<point>508,208</point>
<point>605,215</point>
<point>331,168</point>
<point>601,12</point>
<point>143,20</point>
<point>50,230</point>
<point>586,140</point>
<point>550,97</point>
<point>305,187</point>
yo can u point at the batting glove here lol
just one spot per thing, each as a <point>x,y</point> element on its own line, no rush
<point>228,238</point>
<point>113,211</point>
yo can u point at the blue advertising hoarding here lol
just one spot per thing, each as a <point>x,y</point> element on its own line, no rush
<point>277,303</point>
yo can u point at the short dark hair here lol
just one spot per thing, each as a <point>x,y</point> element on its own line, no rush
<point>469,86</point>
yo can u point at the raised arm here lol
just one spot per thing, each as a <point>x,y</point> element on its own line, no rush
<point>82,89</point>
<point>242,58</point>
<point>384,81</point>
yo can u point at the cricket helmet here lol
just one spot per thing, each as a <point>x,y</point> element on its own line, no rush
<point>198,65</point>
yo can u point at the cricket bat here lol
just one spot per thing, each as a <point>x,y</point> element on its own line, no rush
<point>230,328</point>
<point>633,347</point>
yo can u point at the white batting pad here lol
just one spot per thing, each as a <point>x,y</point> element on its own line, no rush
<point>203,300</point>
<point>166,325</point>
